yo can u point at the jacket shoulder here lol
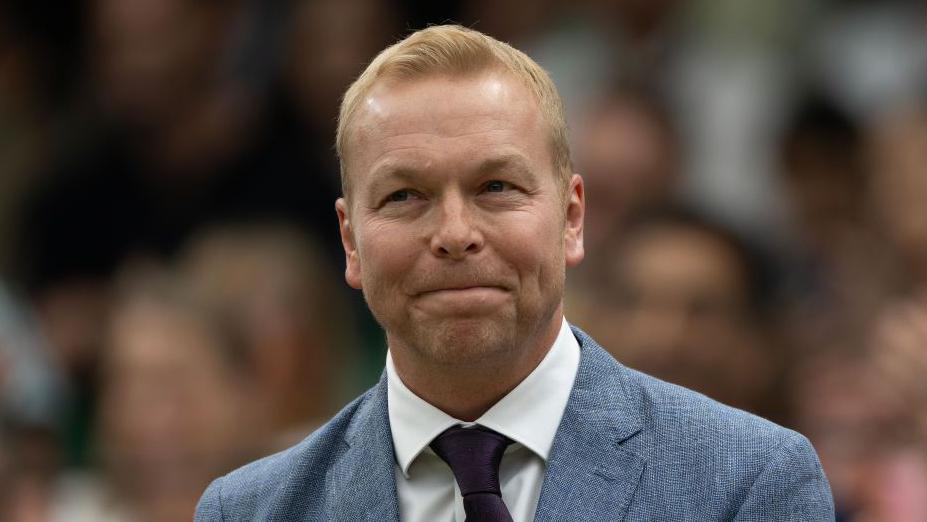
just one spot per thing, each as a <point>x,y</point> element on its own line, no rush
<point>700,449</point>
<point>670,413</point>
<point>682,413</point>
<point>704,460</point>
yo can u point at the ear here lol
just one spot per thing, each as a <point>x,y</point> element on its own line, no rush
<point>352,272</point>
<point>575,213</point>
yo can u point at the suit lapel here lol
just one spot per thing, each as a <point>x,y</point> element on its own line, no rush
<point>363,485</point>
<point>590,476</point>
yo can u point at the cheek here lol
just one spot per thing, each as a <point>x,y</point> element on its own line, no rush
<point>385,258</point>
<point>534,248</point>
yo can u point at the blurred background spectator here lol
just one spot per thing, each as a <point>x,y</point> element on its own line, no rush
<point>177,406</point>
<point>171,299</point>
<point>284,299</point>
<point>686,301</point>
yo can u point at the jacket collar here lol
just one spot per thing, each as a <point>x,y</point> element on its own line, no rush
<point>363,485</point>
<point>590,474</point>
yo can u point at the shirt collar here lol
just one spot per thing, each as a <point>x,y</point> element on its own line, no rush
<point>529,414</point>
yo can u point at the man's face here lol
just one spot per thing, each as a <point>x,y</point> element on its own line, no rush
<point>456,226</point>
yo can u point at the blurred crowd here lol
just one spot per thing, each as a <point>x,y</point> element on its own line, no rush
<point>171,297</point>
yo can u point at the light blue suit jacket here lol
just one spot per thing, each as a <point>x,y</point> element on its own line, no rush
<point>629,447</point>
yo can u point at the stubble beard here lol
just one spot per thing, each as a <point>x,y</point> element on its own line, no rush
<point>453,341</point>
<point>456,342</point>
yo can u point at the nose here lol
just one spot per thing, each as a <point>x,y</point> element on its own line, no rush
<point>455,235</point>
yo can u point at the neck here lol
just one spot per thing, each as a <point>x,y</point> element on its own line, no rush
<point>466,391</point>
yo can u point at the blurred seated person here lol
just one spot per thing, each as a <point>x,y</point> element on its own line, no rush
<point>32,399</point>
<point>838,402</point>
<point>863,407</point>
<point>175,408</point>
<point>838,269</point>
<point>272,281</point>
<point>627,152</point>
<point>898,160</point>
<point>684,301</point>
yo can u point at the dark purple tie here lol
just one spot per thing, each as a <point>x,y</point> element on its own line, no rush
<point>474,455</point>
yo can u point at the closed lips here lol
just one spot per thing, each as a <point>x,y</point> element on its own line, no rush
<point>461,289</point>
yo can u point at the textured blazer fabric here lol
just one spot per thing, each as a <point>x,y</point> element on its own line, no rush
<point>629,447</point>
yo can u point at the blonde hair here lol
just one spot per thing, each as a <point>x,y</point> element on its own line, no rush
<point>457,50</point>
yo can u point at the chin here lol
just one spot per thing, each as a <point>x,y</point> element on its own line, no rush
<point>462,341</point>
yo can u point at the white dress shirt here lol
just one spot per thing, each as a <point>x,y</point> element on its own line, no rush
<point>529,415</point>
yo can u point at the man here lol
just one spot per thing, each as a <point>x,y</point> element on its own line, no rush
<point>460,214</point>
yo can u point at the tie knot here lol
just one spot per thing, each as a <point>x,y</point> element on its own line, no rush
<point>474,455</point>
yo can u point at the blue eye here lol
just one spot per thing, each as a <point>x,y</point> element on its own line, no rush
<point>495,186</point>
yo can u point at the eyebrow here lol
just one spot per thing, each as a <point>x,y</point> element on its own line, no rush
<point>512,162</point>
<point>390,171</point>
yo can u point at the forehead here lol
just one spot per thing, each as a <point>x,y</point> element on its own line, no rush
<point>682,260</point>
<point>481,114</point>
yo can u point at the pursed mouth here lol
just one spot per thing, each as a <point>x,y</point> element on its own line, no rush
<point>461,289</point>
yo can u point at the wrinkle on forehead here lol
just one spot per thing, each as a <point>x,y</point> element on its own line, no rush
<point>494,100</point>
